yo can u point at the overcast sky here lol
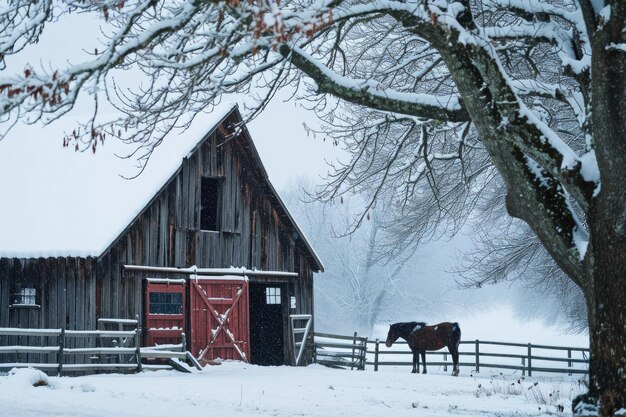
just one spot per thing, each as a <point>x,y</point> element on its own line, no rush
<point>285,148</point>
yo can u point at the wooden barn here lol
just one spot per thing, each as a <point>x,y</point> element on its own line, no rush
<point>210,251</point>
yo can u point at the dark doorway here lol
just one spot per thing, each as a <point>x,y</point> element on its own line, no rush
<point>210,203</point>
<point>267,301</point>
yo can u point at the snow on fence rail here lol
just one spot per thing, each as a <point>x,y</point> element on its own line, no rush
<point>126,352</point>
<point>335,350</point>
<point>340,351</point>
<point>489,354</point>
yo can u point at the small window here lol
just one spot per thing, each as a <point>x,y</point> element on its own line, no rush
<point>209,203</point>
<point>272,295</point>
<point>26,296</point>
<point>166,303</point>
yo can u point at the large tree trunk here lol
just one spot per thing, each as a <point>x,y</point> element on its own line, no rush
<point>606,290</point>
<point>603,272</point>
<point>606,303</point>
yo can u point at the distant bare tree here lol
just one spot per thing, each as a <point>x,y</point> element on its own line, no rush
<point>508,251</point>
<point>356,286</point>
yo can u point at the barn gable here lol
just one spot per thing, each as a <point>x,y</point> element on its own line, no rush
<point>234,163</point>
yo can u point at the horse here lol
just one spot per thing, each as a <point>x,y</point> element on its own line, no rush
<point>421,338</point>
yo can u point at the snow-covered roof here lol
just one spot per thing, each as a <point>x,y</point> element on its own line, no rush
<point>54,202</point>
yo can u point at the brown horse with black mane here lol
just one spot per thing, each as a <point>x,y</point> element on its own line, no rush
<point>421,338</point>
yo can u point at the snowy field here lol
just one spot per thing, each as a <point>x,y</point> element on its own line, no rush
<point>237,389</point>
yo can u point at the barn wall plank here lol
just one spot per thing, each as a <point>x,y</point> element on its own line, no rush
<point>153,245</point>
<point>51,292</point>
<point>178,194</point>
<point>5,285</point>
<point>184,195</point>
<point>104,284</point>
<point>90,294</point>
<point>116,295</point>
<point>81,300</point>
<point>162,230</point>
<point>70,297</point>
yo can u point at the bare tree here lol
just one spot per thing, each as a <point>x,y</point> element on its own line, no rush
<point>507,250</point>
<point>451,94</point>
<point>354,286</point>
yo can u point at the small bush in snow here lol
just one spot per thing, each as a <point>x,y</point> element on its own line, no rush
<point>30,376</point>
<point>553,396</point>
<point>541,394</point>
<point>501,386</point>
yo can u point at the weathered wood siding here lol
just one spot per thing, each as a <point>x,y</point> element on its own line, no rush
<point>253,233</point>
<point>66,296</point>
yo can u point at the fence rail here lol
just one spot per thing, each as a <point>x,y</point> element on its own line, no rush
<point>483,358</point>
<point>339,351</point>
<point>126,352</point>
<point>334,350</point>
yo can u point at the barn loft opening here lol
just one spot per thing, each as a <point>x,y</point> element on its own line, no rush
<point>210,195</point>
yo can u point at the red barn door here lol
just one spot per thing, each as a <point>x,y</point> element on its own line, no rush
<point>219,318</point>
<point>165,311</point>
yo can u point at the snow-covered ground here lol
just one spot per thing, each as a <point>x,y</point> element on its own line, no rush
<point>237,389</point>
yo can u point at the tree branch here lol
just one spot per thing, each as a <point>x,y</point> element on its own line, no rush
<point>371,94</point>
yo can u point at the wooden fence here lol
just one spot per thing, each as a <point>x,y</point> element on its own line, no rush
<point>125,354</point>
<point>335,350</point>
<point>340,351</point>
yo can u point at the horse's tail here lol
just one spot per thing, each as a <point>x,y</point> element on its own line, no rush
<point>456,331</point>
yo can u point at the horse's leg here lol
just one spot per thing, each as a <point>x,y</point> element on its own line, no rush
<point>423,352</point>
<point>454,351</point>
<point>415,363</point>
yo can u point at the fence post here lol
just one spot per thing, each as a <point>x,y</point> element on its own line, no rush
<point>569,356</point>
<point>363,355</point>
<point>523,366</point>
<point>183,341</point>
<point>530,369</point>
<point>60,354</point>
<point>376,356</point>
<point>353,345</point>
<point>477,356</point>
<point>100,326</point>
<point>138,347</point>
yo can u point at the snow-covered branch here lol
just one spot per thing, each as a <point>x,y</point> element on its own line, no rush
<point>375,95</point>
